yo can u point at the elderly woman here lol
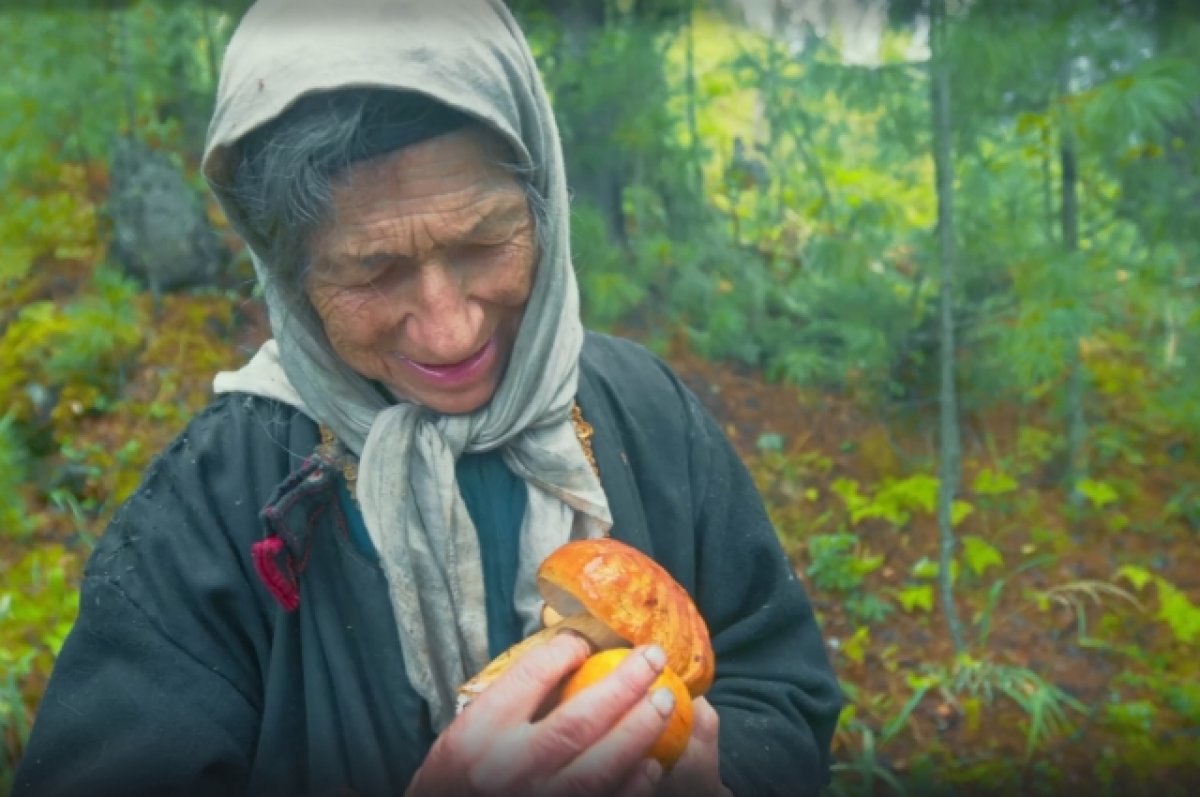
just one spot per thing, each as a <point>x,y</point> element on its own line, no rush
<point>351,530</point>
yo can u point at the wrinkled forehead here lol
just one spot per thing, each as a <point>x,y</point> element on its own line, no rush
<point>456,178</point>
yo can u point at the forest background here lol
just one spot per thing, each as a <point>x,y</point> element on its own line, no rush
<point>935,268</point>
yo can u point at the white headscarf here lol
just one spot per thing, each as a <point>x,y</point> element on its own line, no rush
<point>470,55</point>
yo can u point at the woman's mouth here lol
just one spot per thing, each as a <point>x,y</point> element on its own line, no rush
<point>456,374</point>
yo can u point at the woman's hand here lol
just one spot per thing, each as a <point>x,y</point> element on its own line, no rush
<point>696,773</point>
<point>593,744</point>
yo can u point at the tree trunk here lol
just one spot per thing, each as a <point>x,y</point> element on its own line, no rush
<point>1048,187</point>
<point>950,446</point>
<point>693,127</point>
<point>210,49</point>
<point>128,81</point>
<point>1076,422</point>
<point>600,182</point>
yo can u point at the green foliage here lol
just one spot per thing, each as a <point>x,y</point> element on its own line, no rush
<point>1175,609</point>
<point>1035,447</point>
<point>781,214</point>
<point>1099,493</point>
<point>1076,596</point>
<point>808,255</point>
<point>925,568</point>
<point>1134,717</point>
<point>916,597</point>
<point>14,514</point>
<point>895,500</point>
<point>146,66</point>
<point>38,604</point>
<point>97,330</point>
<point>980,555</point>
<point>854,648</point>
<point>1140,103</point>
<point>837,564</point>
<point>53,218</point>
<point>50,349</point>
<point>37,607</point>
<point>866,767</point>
<point>1045,704</point>
<point>1184,505</point>
<point>990,482</point>
<point>610,283</point>
<point>866,607</point>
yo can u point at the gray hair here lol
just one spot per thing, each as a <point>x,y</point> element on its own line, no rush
<point>286,171</point>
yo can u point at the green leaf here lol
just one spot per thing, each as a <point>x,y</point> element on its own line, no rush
<point>847,490</point>
<point>1101,494</point>
<point>855,648</point>
<point>916,597</point>
<point>1178,612</point>
<point>15,263</point>
<point>980,555</point>
<point>917,492</point>
<point>864,565</point>
<point>921,686</point>
<point>991,482</point>
<point>1135,575</point>
<point>1136,716</point>
<point>959,510</point>
<point>925,568</point>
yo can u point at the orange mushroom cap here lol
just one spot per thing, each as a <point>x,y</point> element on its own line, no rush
<point>636,598</point>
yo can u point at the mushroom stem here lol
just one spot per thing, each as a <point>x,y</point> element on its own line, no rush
<point>598,635</point>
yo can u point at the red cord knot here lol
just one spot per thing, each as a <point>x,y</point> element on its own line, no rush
<point>274,566</point>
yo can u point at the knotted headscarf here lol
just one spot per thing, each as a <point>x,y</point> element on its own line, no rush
<point>469,55</point>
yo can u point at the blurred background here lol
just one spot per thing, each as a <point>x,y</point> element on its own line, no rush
<point>978,437</point>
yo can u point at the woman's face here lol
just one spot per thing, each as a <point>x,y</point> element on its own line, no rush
<point>423,271</point>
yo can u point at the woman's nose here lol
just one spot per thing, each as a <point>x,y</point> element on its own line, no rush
<point>441,320</point>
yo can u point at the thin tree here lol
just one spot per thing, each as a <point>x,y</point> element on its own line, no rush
<point>950,452</point>
<point>1076,422</point>
<point>693,127</point>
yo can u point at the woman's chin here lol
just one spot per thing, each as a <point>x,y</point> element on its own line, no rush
<point>464,406</point>
<point>462,402</point>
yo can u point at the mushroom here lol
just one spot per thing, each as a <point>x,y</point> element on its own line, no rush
<point>614,596</point>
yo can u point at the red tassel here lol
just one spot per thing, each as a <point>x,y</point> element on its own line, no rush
<point>282,587</point>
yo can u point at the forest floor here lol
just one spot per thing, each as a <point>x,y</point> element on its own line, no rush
<point>1029,627</point>
<point>1072,677</point>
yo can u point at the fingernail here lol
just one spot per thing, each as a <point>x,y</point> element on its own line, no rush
<point>657,657</point>
<point>663,700</point>
<point>654,771</point>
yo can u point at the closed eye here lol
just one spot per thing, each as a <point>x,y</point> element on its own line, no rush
<point>373,264</point>
<point>480,253</point>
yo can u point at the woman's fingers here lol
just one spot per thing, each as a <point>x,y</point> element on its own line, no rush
<point>697,773</point>
<point>610,763</point>
<point>579,723</point>
<point>594,743</point>
<point>484,751</point>
<point>706,724</point>
<point>644,780</point>
<point>517,695</point>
